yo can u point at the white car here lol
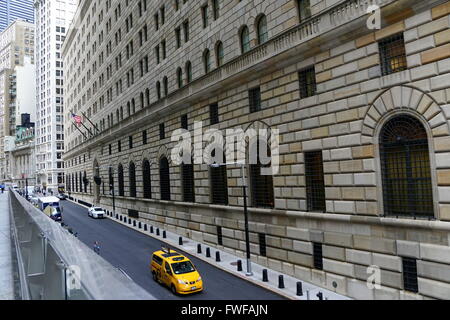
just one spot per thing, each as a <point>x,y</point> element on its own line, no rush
<point>96,212</point>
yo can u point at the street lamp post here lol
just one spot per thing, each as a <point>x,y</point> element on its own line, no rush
<point>247,233</point>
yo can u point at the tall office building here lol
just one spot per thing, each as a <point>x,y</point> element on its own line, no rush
<point>11,10</point>
<point>16,68</point>
<point>52,21</point>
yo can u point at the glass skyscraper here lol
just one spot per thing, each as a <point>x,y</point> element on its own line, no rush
<point>11,10</point>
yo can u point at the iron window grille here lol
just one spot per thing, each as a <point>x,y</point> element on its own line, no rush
<point>261,185</point>
<point>392,54</point>
<point>146,175</point>
<point>187,171</point>
<point>317,256</point>
<point>133,213</point>
<point>315,183</point>
<point>119,146</point>
<point>219,185</point>
<point>132,172</point>
<point>130,142</point>
<point>120,178</point>
<point>262,244</point>
<point>214,113</point>
<point>410,281</point>
<point>164,176</point>
<point>405,168</point>
<point>307,79</point>
<point>254,96</point>
<point>219,235</point>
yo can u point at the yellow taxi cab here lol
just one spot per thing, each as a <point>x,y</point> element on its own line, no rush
<point>175,271</point>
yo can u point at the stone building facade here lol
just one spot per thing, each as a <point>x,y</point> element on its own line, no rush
<point>363,117</point>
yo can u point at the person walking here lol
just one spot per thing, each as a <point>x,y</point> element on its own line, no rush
<point>97,247</point>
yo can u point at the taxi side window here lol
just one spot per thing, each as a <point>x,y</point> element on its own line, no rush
<point>167,266</point>
<point>157,259</point>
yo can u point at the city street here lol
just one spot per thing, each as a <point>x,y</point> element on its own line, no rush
<point>131,251</point>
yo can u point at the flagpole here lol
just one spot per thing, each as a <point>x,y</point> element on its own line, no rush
<point>79,130</point>
<point>90,121</point>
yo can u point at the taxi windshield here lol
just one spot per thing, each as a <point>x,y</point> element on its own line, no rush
<point>182,267</point>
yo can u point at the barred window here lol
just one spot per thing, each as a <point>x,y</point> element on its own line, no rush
<point>187,173</point>
<point>144,137</point>
<point>132,173</point>
<point>315,185</point>
<point>262,244</point>
<point>84,182</point>
<point>164,179</point>
<point>392,54</point>
<point>410,281</point>
<point>184,121</point>
<point>162,131</point>
<point>147,178</point>
<point>120,178</point>
<point>219,185</point>
<point>254,96</point>
<point>405,168</point>
<point>307,78</point>
<point>261,184</point>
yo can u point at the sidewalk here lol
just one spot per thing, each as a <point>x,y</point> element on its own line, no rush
<point>6,272</point>
<point>228,263</point>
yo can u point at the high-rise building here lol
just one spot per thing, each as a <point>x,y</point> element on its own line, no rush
<point>11,10</point>
<point>360,203</point>
<point>52,21</point>
<point>16,83</point>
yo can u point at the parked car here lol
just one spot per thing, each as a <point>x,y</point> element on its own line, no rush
<point>96,212</point>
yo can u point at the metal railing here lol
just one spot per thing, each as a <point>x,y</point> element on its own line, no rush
<point>54,265</point>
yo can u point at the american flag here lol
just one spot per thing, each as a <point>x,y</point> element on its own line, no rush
<point>78,119</point>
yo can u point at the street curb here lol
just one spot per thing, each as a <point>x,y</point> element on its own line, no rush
<point>200,257</point>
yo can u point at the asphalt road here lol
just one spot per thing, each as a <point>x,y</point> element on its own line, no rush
<point>131,250</point>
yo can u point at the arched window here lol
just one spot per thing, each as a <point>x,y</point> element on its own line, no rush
<point>147,177</point>
<point>166,86</point>
<point>245,39</point>
<point>405,168</point>
<point>128,108</point>
<point>142,100</point>
<point>187,177</point>
<point>121,113</point>
<point>207,61</point>
<point>132,178</point>
<point>180,77</point>
<point>261,184</point>
<point>133,106</point>
<point>188,72</point>
<point>263,35</point>
<point>117,115</point>
<point>158,90</point>
<point>219,54</point>
<point>120,178</point>
<point>164,179</point>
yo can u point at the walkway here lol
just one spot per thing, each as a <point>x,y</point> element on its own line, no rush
<point>6,273</point>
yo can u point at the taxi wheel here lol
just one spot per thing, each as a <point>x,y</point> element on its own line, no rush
<point>173,289</point>
<point>154,276</point>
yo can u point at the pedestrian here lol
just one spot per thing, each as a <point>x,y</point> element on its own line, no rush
<point>97,247</point>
